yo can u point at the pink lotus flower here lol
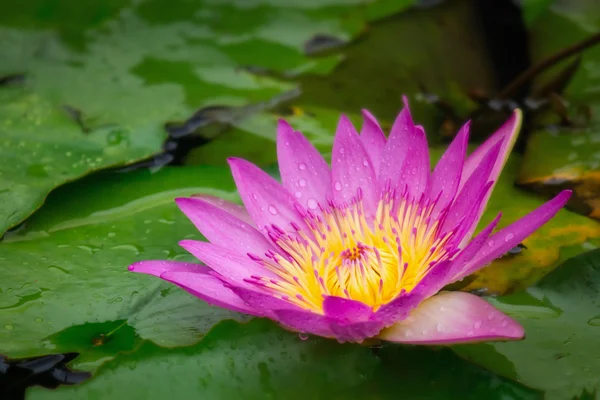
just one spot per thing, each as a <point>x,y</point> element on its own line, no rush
<point>361,249</point>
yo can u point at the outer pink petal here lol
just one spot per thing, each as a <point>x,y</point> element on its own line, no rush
<point>453,317</point>
<point>304,172</point>
<point>396,148</point>
<point>510,236</point>
<point>416,168</point>
<point>507,135</point>
<point>469,198</point>
<point>346,310</point>
<point>305,322</point>
<point>197,280</point>
<point>231,208</point>
<point>223,228</point>
<point>372,138</point>
<point>265,302</point>
<point>266,201</point>
<point>351,167</point>
<point>233,266</point>
<point>355,332</point>
<point>446,175</point>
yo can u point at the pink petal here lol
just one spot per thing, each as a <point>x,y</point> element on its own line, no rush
<point>469,252</point>
<point>446,175</point>
<point>372,138</point>
<point>265,302</point>
<point>453,317</point>
<point>355,332</point>
<point>346,310</point>
<point>305,322</point>
<point>396,148</point>
<point>304,172</point>
<point>233,266</point>
<point>351,167</point>
<point>400,307</point>
<point>231,208</point>
<point>266,201</point>
<point>469,199</point>
<point>507,135</point>
<point>507,238</point>
<point>223,228</point>
<point>195,279</point>
<point>416,168</point>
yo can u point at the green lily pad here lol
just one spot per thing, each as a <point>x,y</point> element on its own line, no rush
<point>561,316</point>
<point>258,360</point>
<point>64,274</point>
<point>101,79</point>
<point>568,156</point>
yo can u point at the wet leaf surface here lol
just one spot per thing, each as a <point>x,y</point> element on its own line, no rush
<point>258,360</point>
<point>88,86</point>
<point>561,316</point>
<point>73,255</point>
<point>567,153</point>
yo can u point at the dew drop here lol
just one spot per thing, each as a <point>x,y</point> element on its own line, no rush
<point>365,163</point>
<point>303,336</point>
<point>407,333</point>
<point>302,166</point>
<point>477,325</point>
<point>302,182</point>
<point>491,316</point>
<point>337,186</point>
<point>298,194</point>
<point>440,327</point>
<point>342,150</point>
<point>504,323</point>
<point>509,236</point>
<point>38,320</point>
<point>254,196</point>
<point>9,327</point>
<point>413,171</point>
<point>312,204</point>
<point>273,210</point>
<point>491,243</point>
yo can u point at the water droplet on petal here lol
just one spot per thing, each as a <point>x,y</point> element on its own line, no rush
<point>302,182</point>
<point>407,333</point>
<point>312,204</point>
<point>477,325</point>
<point>365,163</point>
<point>254,196</point>
<point>504,323</point>
<point>298,194</point>
<point>342,150</point>
<point>491,242</point>
<point>273,210</point>
<point>302,166</point>
<point>491,316</point>
<point>337,186</point>
<point>413,171</point>
<point>509,236</point>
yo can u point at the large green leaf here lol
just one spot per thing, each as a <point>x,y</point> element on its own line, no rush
<point>67,268</point>
<point>102,78</point>
<point>567,156</point>
<point>260,361</point>
<point>561,316</point>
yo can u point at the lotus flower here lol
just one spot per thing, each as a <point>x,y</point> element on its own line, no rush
<point>361,249</point>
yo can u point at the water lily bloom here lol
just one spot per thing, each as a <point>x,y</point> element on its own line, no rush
<point>361,249</point>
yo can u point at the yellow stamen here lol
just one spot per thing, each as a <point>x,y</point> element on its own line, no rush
<point>344,254</point>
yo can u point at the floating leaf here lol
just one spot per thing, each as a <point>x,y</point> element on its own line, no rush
<point>64,275</point>
<point>561,316</point>
<point>261,361</point>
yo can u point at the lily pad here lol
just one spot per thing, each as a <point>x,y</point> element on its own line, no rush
<point>567,156</point>
<point>64,275</point>
<point>260,361</point>
<point>99,80</point>
<point>561,316</point>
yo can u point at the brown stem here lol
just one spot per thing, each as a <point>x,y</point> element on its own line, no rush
<point>531,72</point>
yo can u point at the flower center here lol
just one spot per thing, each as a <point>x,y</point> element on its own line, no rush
<point>346,254</point>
